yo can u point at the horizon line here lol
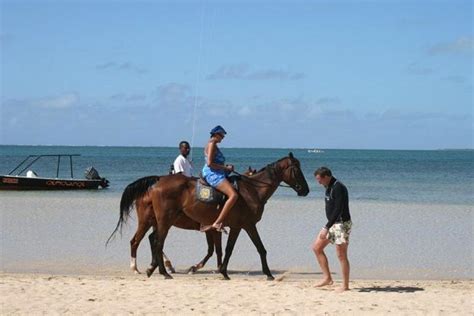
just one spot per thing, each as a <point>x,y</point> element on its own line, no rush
<point>300,148</point>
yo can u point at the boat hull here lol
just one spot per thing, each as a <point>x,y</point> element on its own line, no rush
<point>25,183</point>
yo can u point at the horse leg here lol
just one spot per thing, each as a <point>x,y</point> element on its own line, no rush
<point>210,251</point>
<point>233,235</point>
<point>134,243</point>
<point>157,260</point>
<point>217,236</point>
<point>168,264</point>
<point>152,240</point>
<point>255,237</point>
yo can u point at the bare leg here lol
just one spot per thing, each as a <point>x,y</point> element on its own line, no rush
<point>318,248</point>
<point>232,196</point>
<point>345,267</point>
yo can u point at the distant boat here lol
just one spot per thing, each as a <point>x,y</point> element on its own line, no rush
<point>315,151</point>
<point>31,181</point>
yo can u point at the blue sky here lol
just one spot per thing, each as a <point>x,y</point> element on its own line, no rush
<point>292,74</point>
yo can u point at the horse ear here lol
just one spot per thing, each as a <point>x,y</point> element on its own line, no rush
<point>291,155</point>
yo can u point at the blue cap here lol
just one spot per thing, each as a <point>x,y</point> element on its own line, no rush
<point>218,130</point>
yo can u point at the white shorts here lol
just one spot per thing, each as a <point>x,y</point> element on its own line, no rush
<point>339,233</point>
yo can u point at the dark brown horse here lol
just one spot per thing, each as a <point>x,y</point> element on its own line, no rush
<point>174,195</point>
<point>137,192</point>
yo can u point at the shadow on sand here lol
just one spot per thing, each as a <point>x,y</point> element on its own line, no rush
<point>392,289</point>
<point>231,272</point>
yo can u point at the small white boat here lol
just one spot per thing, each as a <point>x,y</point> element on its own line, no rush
<point>315,151</point>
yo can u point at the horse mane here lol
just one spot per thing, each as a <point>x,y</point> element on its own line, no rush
<point>271,164</point>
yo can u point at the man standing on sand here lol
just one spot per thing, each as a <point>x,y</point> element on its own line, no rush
<point>337,229</point>
<point>182,163</point>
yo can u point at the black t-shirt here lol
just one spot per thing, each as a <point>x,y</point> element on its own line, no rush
<point>337,203</point>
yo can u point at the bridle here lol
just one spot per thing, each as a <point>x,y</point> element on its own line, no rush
<point>272,171</point>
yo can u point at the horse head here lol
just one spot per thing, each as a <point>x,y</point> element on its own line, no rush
<point>250,171</point>
<point>290,170</point>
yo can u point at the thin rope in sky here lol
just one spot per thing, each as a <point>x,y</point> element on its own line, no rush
<point>196,83</point>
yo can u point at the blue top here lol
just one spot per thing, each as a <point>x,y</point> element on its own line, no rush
<point>214,176</point>
<point>218,159</point>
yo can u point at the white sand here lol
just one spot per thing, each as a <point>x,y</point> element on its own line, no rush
<point>207,293</point>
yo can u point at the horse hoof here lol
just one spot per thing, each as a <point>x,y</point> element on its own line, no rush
<point>270,278</point>
<point>192,270</point>
<point>136,272</point>
<point>168,277</point>
<point>226,277</point>
<point>149,273</point>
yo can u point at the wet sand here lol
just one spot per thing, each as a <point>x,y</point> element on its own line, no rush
<point>65,233</point>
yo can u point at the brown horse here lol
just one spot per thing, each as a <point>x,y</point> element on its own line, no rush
<point>174,196</point>
<point>137,192</point>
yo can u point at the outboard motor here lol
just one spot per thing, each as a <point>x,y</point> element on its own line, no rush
<point>92,174</point>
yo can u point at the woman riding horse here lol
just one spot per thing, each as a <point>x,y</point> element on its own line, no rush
<point>215,171</point>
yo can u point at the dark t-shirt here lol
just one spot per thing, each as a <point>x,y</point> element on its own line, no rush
<point>337,203</point>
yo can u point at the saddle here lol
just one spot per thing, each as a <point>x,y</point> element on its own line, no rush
<point>207,194</point>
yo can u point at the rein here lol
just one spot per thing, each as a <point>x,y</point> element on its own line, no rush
<point>262,182</point>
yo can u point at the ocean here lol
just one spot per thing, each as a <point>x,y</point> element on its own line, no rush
<point>412,213</point>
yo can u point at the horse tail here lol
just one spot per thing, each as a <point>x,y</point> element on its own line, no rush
<point>132,192</point>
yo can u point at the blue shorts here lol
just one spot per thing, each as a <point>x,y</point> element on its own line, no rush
<point>214,178</point>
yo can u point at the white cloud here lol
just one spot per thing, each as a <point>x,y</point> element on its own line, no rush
<point>462,45</point>
<point>245,111</point>
<point>394,114</point>
<point>328,101</point>
<point>127,98</point>
<point>121,66</point>
<point>417,69</point>
<point>254,124</point>
<point>455,79</point>
<point>174,95</point>
<point>235,71</point>
<point>243,72</point>
<point>57,102</point>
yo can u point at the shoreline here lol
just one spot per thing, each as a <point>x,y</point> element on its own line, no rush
<point>206,293</point>
<point>298,273</point>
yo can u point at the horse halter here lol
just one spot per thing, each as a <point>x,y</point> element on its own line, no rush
<point>292,167</point>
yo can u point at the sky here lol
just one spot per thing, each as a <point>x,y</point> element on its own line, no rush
<point>286,74</point>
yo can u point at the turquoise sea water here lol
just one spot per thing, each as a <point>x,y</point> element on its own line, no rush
<point>412,213</point>
<point>438,176</point>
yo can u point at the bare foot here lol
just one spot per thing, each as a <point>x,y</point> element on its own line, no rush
<point>219,227</point>
<point>205,228</point>
<point>341,289</point>
<point>324,283</point>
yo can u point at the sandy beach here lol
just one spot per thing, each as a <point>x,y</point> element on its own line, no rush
<point>207,293</point>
